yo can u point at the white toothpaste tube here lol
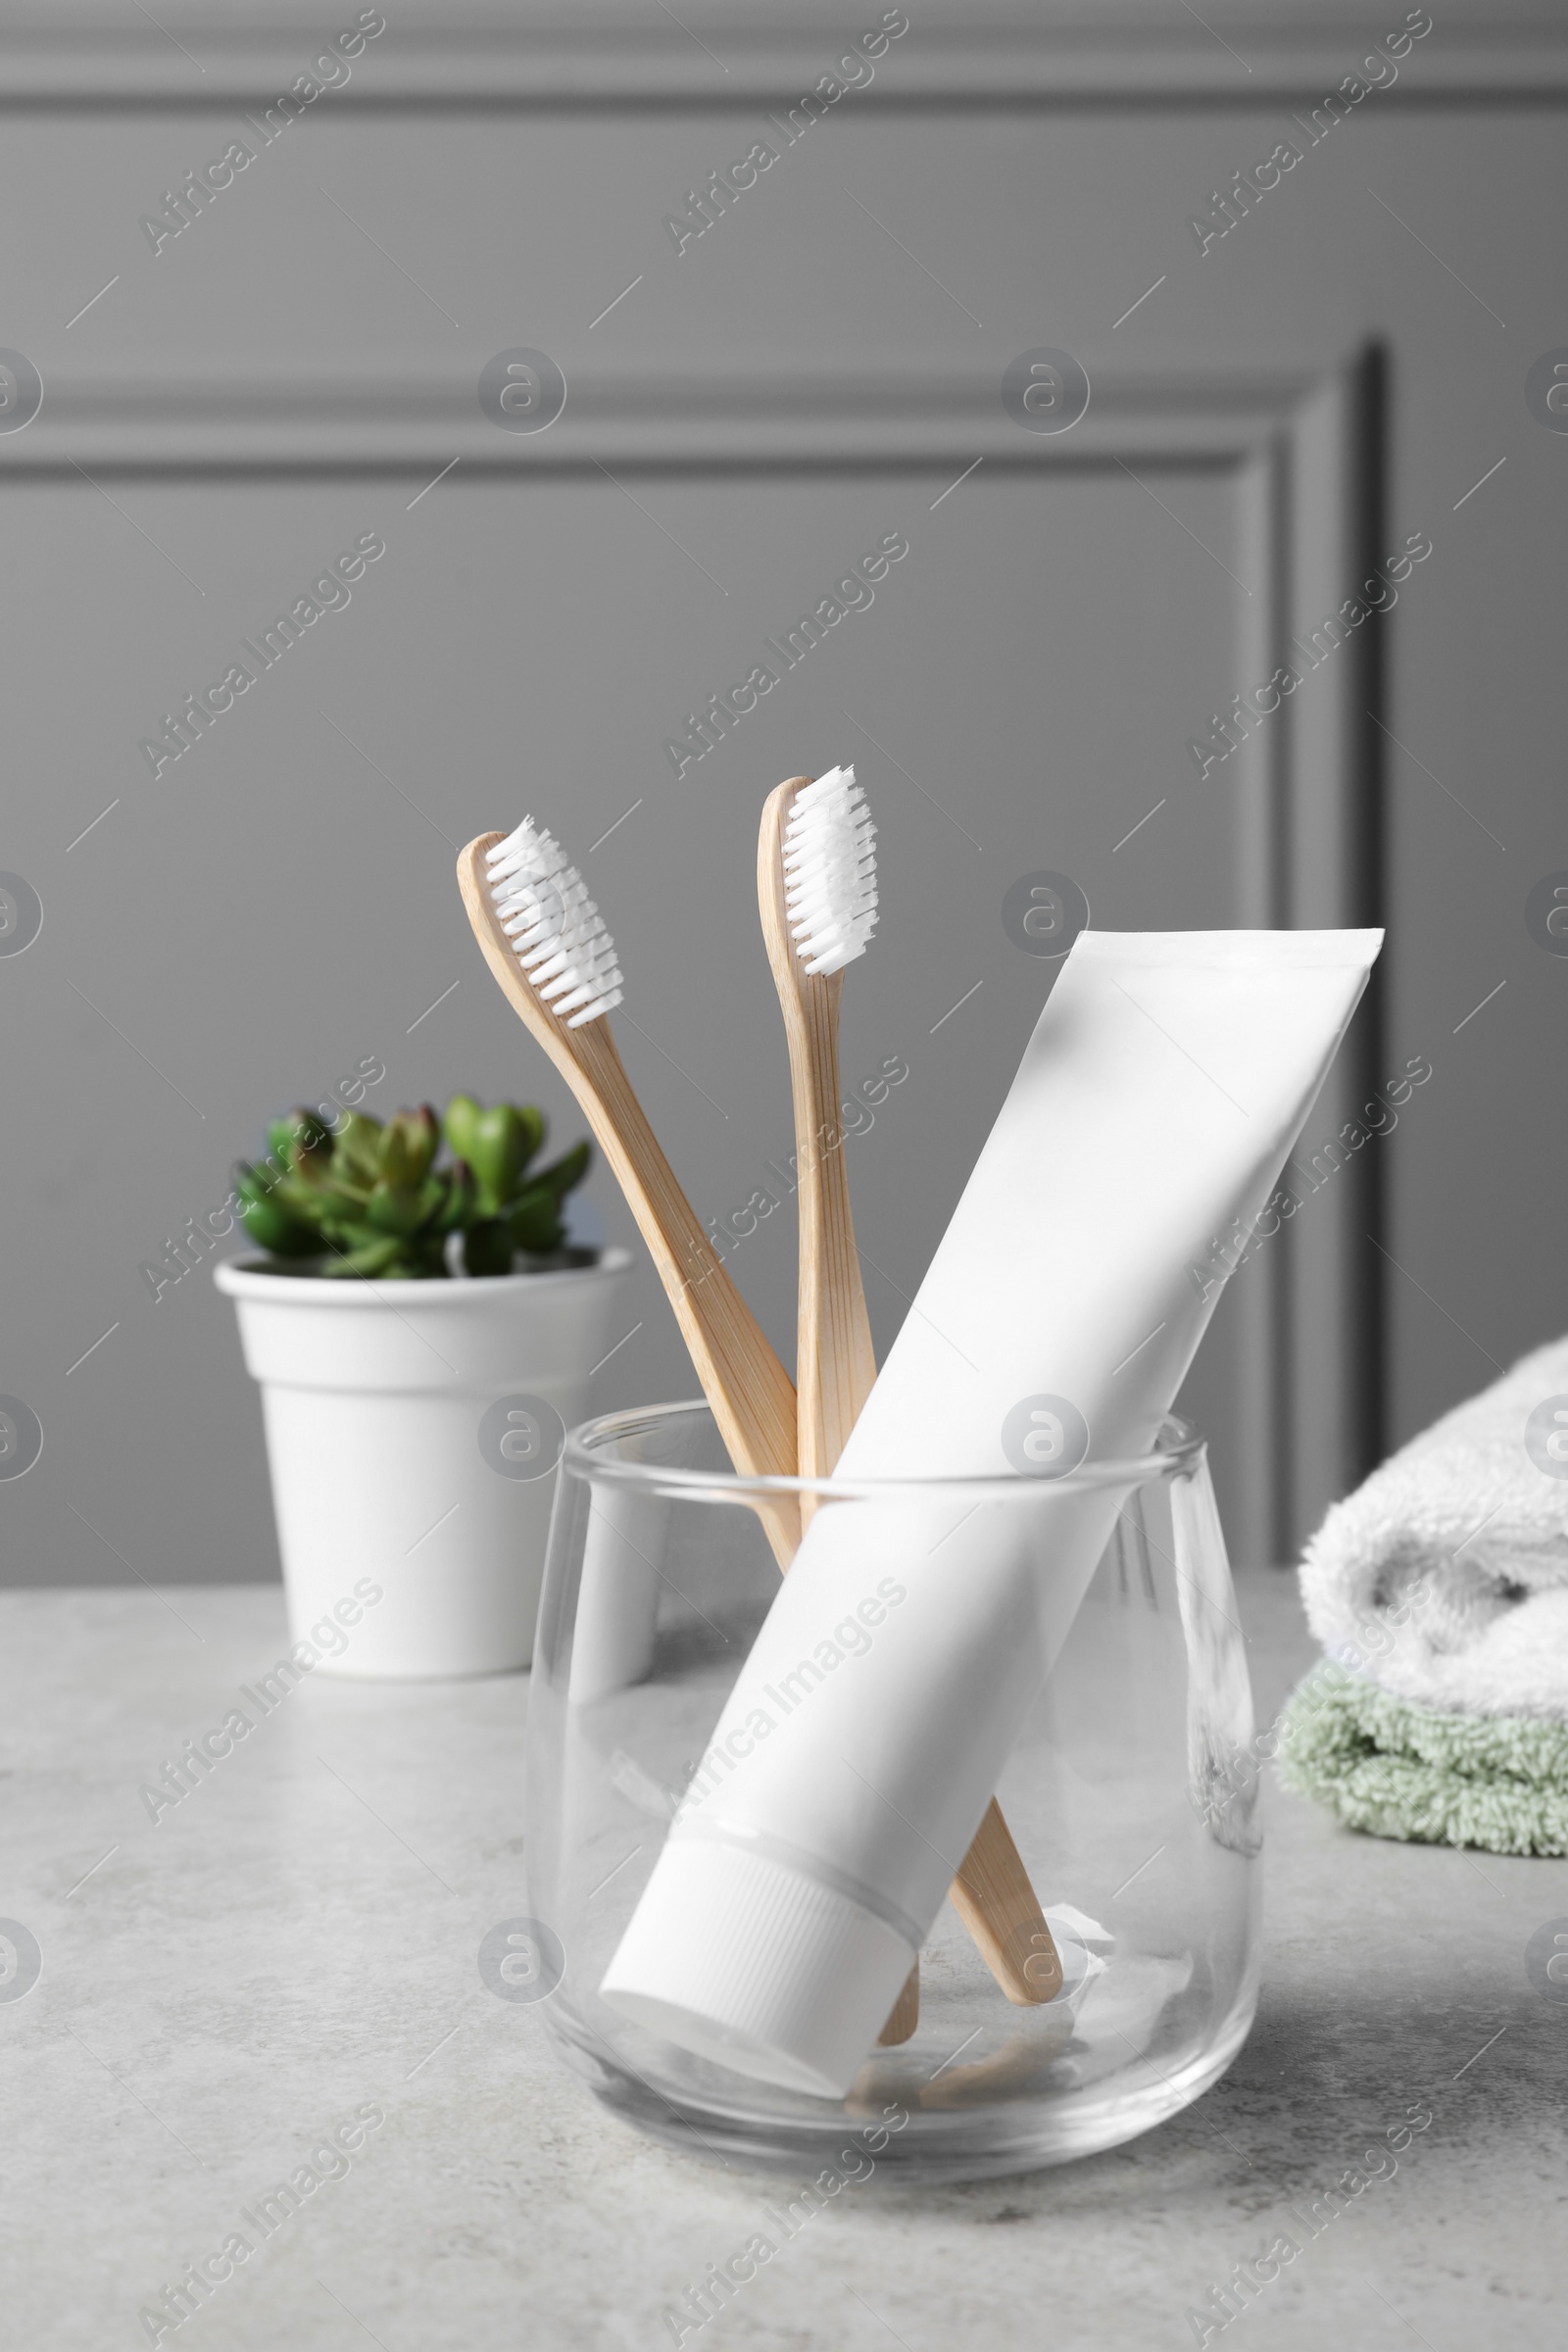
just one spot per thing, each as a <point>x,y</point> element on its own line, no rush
<point>1164,1085</point>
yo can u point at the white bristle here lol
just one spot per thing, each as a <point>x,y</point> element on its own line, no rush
<point>830,872</point>
<point>542,903</point>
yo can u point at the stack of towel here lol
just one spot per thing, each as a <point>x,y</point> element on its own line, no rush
<point>1440,1592</point>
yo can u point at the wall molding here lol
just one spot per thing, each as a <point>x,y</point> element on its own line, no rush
<point>434,59</point>
<point>752,421</point>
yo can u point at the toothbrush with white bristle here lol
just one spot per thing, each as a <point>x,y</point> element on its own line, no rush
<point>553,955</point>
<point>816,889</point>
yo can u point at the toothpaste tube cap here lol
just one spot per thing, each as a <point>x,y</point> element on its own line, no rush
<point>747,1961</point>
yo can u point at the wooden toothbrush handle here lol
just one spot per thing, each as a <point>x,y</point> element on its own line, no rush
<point>995,1902</point>
<point>752,1396</point>
<point>835,1366</point>
<point>905,2014</point>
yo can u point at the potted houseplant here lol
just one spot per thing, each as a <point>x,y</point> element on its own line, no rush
<point>422,1332</point>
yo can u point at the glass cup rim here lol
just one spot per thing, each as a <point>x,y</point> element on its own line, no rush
<point>1179,1452</point>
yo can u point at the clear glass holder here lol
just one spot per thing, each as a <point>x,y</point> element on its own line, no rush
<point>1122,1791</point>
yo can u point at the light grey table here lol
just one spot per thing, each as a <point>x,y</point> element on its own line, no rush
<point>297,1940</point>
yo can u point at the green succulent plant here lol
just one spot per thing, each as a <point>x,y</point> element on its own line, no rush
<point>367,1199</point>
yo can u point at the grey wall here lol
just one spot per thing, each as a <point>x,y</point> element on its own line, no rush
<point>1332,375</point>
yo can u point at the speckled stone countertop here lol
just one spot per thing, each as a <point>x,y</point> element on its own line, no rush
<point>294,1945</point>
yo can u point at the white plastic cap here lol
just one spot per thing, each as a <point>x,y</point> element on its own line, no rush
<point>749,1962</point>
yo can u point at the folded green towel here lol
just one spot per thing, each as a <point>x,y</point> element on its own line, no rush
<point>1388,1765</point>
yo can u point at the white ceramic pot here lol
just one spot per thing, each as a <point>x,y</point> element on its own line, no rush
<point>412,1432</point>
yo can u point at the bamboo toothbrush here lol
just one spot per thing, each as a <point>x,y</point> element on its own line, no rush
<point>547,944</point>
<point>816,889</point>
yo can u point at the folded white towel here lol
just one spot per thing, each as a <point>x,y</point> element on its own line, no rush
<point>1445,1577</point>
